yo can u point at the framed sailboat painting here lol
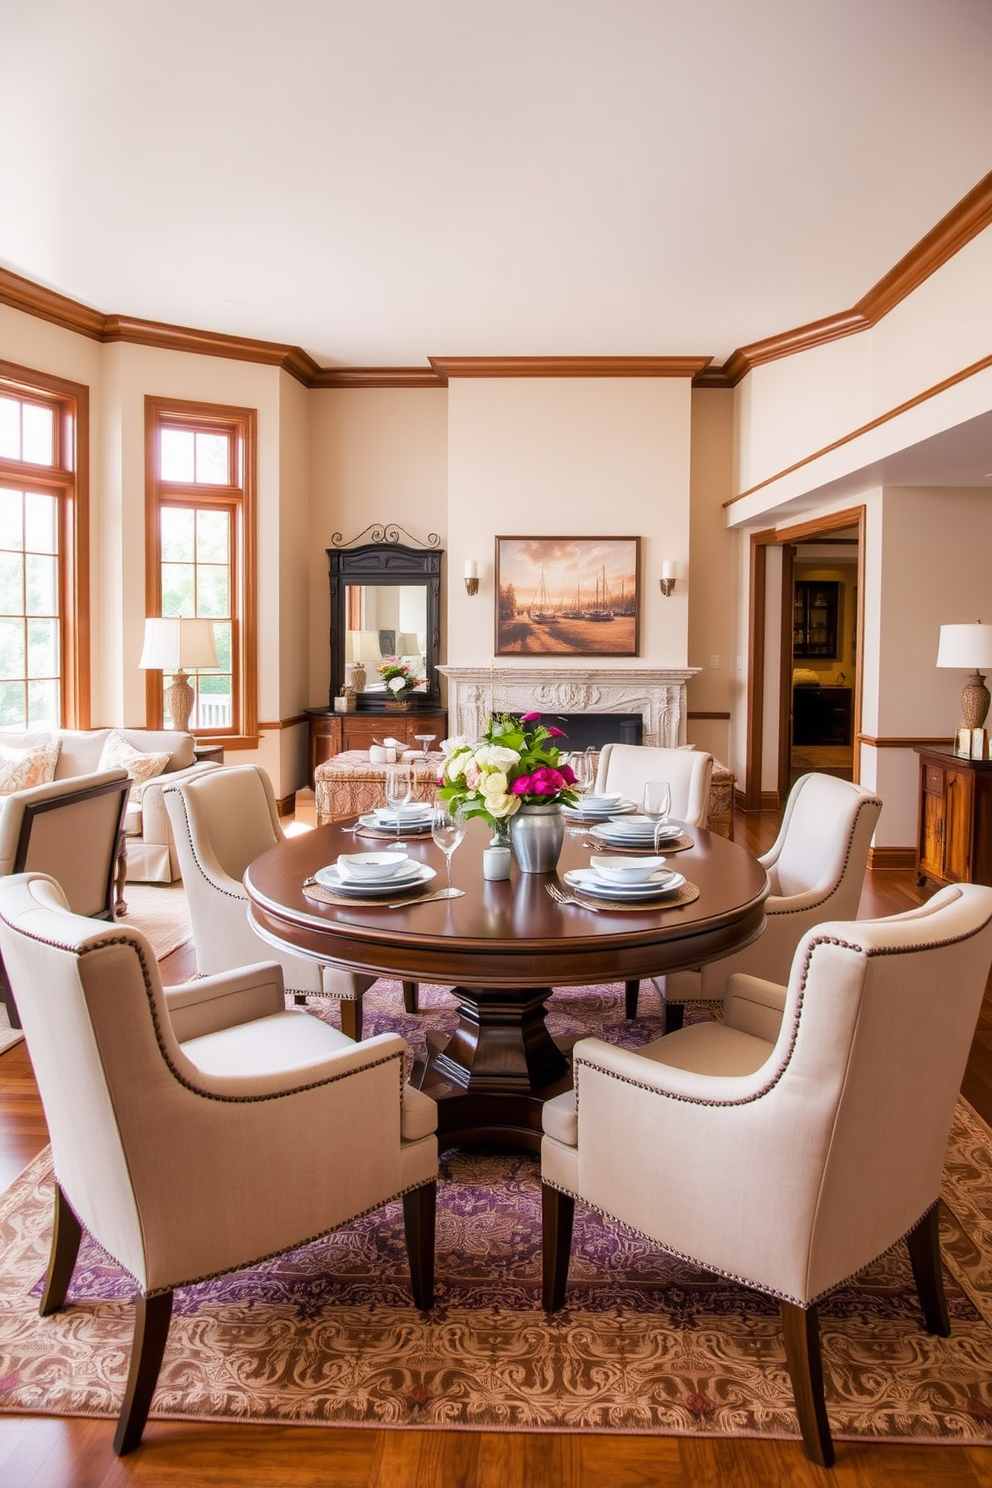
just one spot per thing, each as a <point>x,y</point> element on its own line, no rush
<point>568,596</point>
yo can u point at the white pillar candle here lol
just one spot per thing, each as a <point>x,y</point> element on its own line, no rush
<point>471,568</point>
<point>668,568</point>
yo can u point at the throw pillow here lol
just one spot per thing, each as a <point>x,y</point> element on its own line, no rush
<point>21,769</point>
<point>118,754</point>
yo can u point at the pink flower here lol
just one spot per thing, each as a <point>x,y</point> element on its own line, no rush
<point>520,786</point>
<point>556,733</point>
<point>567,774</point>
<point>530,717</point>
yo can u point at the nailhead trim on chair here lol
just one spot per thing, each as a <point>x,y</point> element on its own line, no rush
<point>755,1286</point>
<point>123,938</point>
<point>865,801</point>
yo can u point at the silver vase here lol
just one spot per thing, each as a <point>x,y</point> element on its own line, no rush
<point>536,836</point>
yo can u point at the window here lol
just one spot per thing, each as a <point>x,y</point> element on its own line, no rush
<point>201,554</point>
<point>44,635</point>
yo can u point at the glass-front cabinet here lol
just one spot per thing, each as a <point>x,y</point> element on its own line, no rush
<point>814,626</point>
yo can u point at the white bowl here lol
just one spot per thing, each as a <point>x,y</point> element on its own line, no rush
<point>625,870</point>
<point>601,802</point>
<point>371,864</point>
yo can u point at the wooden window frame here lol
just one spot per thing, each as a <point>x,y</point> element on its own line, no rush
<point>68,479</point>
<point>241,500</point>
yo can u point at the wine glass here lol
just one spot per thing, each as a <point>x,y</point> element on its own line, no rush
<point>425,741</point>
<point>448,828</point>
<point>399,788</point>
<point>582,769</point>
<point>656,804</point>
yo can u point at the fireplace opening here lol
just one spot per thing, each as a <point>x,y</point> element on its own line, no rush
<point>593,730</point>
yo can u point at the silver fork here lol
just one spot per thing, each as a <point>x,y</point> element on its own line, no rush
<point>561,898</point>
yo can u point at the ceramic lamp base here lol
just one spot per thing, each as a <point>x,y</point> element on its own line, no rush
<point>975,701</point>
<point>179,700</point>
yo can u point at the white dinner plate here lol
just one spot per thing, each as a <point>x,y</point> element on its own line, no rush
<point>418,827</point>
<point>416,812</point>
<point>601,813</point>
<point>635,835</point>
<point>665,881</point>
<point>330,878</point>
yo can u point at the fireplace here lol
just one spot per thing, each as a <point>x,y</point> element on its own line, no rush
<point>593,730</point>
<point>655,696</point>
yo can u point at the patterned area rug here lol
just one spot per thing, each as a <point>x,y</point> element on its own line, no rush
<point>160,911</point>
<point>8,1036</point>
<point>327,1334</point>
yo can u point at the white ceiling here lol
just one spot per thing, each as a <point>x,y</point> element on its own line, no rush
<point>379,181</point>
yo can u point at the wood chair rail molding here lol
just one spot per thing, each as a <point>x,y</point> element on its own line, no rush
<point>970,216</point>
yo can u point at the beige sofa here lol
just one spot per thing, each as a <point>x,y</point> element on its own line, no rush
<point>151,853</point>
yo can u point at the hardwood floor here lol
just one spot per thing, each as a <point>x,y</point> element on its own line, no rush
<point>44,1453</point>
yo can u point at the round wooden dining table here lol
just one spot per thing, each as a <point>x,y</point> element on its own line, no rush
<point>501,948</point>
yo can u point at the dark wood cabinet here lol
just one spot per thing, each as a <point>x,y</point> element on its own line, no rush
<point>821,715</point>
<point>814,623</point>
<point>954,840</point>
<point>333,733</point>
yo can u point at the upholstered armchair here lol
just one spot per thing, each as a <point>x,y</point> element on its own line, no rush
<point>790,1145</point>
<point>70,829</point>
<point>183,1121</point>
<point>221,822</point>
<point>816,869</point>
<point>627,768</point>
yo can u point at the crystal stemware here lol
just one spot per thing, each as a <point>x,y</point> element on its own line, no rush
<point>657,804</point>
<point>399,787</point>
<point>425,741</point>
<point>447,829</point>
<point>582,769</point>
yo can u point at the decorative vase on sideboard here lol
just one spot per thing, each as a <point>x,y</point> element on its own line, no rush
<point>536,836</point>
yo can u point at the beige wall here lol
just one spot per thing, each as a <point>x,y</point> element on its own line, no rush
<point>376,455</point>
<point>712,576</point>
<point>580,456</point>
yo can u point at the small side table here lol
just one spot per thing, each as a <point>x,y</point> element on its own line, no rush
<point>209,754</point>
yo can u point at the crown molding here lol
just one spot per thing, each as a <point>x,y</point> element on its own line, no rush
<point>377,377</point>
<point>970,216</point>
<point>569,366</point>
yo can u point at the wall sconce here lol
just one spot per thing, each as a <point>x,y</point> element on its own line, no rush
<point>667,580</point>
<point>471,576</point>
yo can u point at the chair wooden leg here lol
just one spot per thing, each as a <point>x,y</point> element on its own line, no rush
<point>7,997</point>
<point>151,1329</point>
<point>674,1016</point>
<point>419,1213</point>
<point>805,1365</point>
<point>631,991</point>
<point>66,1236</point>
<point>411,1001</point>
<point>351,1017</point>
<point>557,1215</point>
<point>924,1252</point>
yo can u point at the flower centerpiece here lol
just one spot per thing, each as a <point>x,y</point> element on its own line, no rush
<point>514,771</point>
<point>400,680</point>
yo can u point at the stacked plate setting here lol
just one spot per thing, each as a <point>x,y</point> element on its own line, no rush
<point>599,885</point>
<point>635,831</point>
<point>414,819</point>
<point>600,807</point>
<point>374,875</point>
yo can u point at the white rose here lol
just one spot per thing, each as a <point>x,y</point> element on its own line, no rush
<point>396,684</point>
<point>497,756</point>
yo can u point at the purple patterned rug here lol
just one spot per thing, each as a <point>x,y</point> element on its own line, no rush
<point>327,1334</point>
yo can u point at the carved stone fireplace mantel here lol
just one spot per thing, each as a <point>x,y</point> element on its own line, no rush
<point>656,693</point>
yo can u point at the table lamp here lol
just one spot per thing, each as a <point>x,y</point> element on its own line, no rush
<point>968,646</point>
<point>174,644</point>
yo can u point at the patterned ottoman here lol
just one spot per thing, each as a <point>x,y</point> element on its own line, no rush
<point>348,784</point>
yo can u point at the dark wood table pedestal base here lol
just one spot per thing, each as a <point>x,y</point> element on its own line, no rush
<point>491,1077</point>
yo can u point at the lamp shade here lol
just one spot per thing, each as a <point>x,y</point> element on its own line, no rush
<point>968,647</point>
<point>174,644</point>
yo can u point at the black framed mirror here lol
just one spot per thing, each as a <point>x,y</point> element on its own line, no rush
<point>385,602</point>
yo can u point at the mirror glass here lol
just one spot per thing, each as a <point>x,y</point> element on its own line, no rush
<point>388,620</point>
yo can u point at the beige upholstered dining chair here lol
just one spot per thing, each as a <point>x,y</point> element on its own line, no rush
<point>71,829</point>
<point>628,767</point>
<point>787,1150</point>
<point>221,821</point>
<point>183,1120</point>
<point>816,869</point>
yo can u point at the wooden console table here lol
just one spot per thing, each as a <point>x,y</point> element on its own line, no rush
<point>954,838</point>
<point>333,734</point>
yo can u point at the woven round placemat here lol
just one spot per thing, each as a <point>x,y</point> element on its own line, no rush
<point>328,896</point>
<point>685,895</point>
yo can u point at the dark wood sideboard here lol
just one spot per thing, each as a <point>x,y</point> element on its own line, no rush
<point>954,836</point>
<point>332,733</point>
